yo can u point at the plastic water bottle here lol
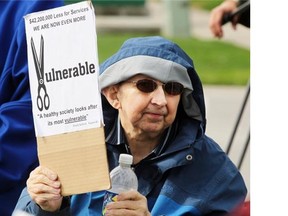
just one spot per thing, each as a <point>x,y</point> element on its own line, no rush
<point>122,178</point>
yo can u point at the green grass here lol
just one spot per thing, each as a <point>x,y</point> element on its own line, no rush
<point>205,4</point>
<point>216,62</point>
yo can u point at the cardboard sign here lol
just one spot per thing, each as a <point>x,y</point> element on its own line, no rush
<point>66,102</point>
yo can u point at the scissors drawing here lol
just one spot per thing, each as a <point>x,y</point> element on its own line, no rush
<point>39,66</point>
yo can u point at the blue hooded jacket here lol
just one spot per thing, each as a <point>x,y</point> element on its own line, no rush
<point>188,173</point>
<point>18,152</point>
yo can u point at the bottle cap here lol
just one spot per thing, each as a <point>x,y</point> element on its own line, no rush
<point>126,159</point>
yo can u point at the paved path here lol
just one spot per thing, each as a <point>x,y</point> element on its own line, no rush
<point>157,17</point>
<point>199,28</point>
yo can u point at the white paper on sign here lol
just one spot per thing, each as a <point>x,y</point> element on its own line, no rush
<point>63,69</point>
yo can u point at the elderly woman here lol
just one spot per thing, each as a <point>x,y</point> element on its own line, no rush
<point>154,110</point>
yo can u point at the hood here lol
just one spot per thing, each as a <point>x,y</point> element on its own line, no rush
<point>160,59</point>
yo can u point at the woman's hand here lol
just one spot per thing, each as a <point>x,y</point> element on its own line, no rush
<point>130,203</point>
<point>44,189</point>
<point>217,14</point>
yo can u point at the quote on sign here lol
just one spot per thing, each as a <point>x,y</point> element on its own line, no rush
<point>60,117</point>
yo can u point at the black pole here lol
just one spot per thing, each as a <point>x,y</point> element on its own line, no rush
<point>238,119</point>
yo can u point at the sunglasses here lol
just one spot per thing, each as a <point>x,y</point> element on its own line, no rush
<point>148,86</point>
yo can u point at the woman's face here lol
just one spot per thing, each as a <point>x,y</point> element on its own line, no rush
<point>142,112</point>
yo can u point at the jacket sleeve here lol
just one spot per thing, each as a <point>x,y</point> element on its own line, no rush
<point>27,205</point>
<point>244,18</point>
<point>18,149</point>
<point>227,188</point>
<point>18,153</point>
<point>224,185</point>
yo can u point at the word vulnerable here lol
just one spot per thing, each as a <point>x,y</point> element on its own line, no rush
<point>79,70</point>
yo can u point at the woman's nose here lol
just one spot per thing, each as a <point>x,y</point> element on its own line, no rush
<point>159,97</point>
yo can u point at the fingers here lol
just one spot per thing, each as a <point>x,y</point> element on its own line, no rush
<point>44,188</point>
<point>215,22</point>
<point>130,195</point>
<point>45,176</point>
<point>234,22</point>
<point>129,204</point>
<point>217,14</point>
<point>43,180</point>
